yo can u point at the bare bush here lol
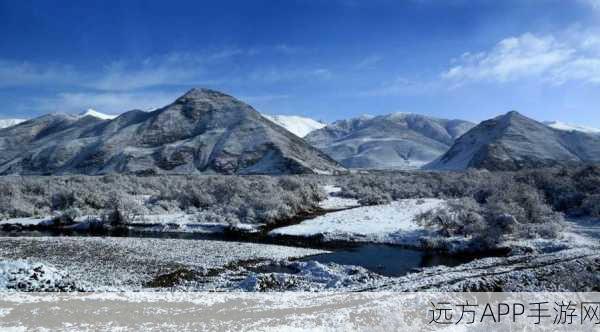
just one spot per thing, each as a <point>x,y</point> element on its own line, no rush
<point>120,198</point>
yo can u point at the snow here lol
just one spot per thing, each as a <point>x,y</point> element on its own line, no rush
<point>333,202</point>
<point>114,263</point>
<point>571,127</point>
<point>393,223</point>
<point>311,276</point>
<point>297,125</point>
<point>26,221</point>
<point>96,114</point>
<point>24,275</point>
<point>5,123</point>
<point>172,218</point>
<point>153,223</point>
<point>187,223</point>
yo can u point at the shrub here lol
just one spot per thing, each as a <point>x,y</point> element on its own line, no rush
<point>119,198</point>
<point>591,205</point>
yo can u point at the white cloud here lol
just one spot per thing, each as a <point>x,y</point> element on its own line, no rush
<point>106,102</point>
<point>23,73</point>
<point>263,98</point>
<point>208,68</point>
<point>572,56</point>
<point>120,75</point>
<point>369,62</point>
<point>401,86</point>
<point>169,69</point>
<point>594,4</point>
<point>285,74</point>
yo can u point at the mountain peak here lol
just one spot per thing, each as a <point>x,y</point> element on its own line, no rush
<point>96,114</point>
<point>205,131</point>
<point>512,117</point>
<point>202,93</point>
<point>513,114</point>
<point>514,141</point>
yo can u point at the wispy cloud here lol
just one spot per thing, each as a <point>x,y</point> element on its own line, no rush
<point>119,75</point>
<point>170,69</point>
<point>175,69</point>
<point>594,4</point>
<point>401,86</point>
<point>286,74</point>
<point>369,62</point>
<point>572,56</point>
<point>107,102</point>
<point>263,98</point>
<point>23,73</point>
<point>126,84</point>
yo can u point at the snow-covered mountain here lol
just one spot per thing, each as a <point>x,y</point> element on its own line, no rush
<point>5,123</point>
<point>513,141</point>
<point>398,140</point>
<point>297,125</point>
<point>94,113</point>
<point>570,127</point>
<point>203,131</point>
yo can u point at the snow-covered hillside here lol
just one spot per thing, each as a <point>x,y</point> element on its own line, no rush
<point>397,140</point>
<point>571,127</point>
<point>203,131</point>
<point>513,141</point>
<point>96,114</point>
<point>297,125</point>
<point>5,123</point>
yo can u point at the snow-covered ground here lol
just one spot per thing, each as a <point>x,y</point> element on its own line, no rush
<point>177,222</point>
<point>393,223</point>
<point>123,264</point>
<point>105,263</point>
<point>200,222</point>
<point>26,221</point>
<point>334,202</point>
<point>24,275</point>
<point>570,262</point>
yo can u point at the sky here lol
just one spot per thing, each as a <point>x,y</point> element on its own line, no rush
<point>325,59</point>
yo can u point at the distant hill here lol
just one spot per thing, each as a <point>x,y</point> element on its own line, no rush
<point>94,113</point>
<point>203,131</point>
<point>297,125</point>
<point>398,140</point>
<point>570,127</point>
<point>513,141</point>
<point>5,123</point>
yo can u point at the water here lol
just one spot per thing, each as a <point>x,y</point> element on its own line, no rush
<point>390,260</point>
<point>387,260</point>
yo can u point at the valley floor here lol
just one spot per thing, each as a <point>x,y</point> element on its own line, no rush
<point>294,257</point>
<point>47,263</point>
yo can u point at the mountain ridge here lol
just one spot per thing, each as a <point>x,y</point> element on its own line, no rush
<point>513,141</point>
<point>203,131</point>
<point>396,140</point>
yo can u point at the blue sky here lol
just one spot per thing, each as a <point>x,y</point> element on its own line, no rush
<point>324,59</point>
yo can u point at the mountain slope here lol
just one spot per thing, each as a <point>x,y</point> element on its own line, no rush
<point>5,123</point>
<point>297,125</point>
<point>399,140</point>
<point>570,127</point>
<point>513,141</point>
<point>94,113</point>
<point>204,131</point>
